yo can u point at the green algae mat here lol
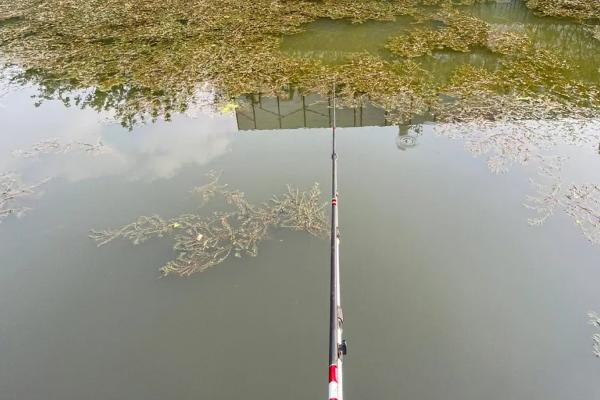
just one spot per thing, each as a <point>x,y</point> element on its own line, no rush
<point>149,59</point>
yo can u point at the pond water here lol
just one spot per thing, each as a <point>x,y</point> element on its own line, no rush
<point>332,40</point>
<point>448,291</point>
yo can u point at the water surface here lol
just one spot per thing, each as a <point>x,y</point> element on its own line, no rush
<point>448,292</point>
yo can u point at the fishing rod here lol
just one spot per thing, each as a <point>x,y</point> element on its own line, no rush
<point>337,345</point>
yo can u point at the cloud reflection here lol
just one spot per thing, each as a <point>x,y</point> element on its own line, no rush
<point>156,151</point>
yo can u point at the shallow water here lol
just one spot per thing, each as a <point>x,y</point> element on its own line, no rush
<point>448,292</point>
<point>333,40</point>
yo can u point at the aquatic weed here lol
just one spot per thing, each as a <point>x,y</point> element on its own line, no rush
<point>203,241</point>
<point>148,60</point>
<point>578,9</point>
<point>461,32</point>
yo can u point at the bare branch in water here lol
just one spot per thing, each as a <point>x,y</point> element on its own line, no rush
<point>12,191</point>
<point>211,189</point>
<point>582,202</point>
<point>205,241</point>
<point>54,146</point>
<point>595,321</point>
<point>137,232</point>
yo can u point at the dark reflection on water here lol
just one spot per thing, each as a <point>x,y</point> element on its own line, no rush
<point>258,112</point>
<point>296,111</point>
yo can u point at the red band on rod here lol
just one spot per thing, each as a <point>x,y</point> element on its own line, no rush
<point>333,373</point>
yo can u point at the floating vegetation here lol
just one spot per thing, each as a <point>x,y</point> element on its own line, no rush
<point>147,59</point>
<point>12,192</point>
<point>403,88</point>
<point>150,59</point>
<point>461,32</point>
<point>54,146</point>
<point>594,30</point>
<point>579,9</point>
<point>205,241</point>
<point>595,321</point>
<point>508,42</point>
<point>531,85</point>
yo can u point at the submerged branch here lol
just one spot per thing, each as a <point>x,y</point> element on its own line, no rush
<point>12,191</point>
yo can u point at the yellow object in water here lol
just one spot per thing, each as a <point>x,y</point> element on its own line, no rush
<point>228,107</point>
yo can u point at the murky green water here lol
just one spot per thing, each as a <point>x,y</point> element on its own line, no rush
<point>448,292</point>
<point>331,41</point>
